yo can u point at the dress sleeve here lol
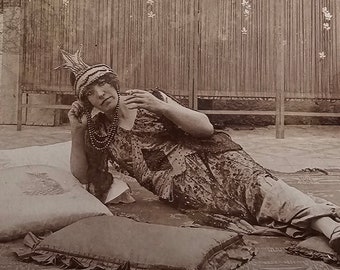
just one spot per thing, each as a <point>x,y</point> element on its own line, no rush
<point>98,175</point>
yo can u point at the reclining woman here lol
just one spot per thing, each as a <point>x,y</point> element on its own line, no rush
<point>175,152</point>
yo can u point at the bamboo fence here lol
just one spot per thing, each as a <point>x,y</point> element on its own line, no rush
<point>208,46</point>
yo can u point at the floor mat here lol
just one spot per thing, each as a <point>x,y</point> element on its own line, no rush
<point>316,182</point>
<point>271,250</point>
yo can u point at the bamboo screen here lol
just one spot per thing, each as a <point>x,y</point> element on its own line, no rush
<point>307,74</point>
<point>149,45</point>
<point>238,54</point>
<point>213,47</point>
<point>243,54</point>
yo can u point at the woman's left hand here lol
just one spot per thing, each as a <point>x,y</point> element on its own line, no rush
<point>190,121</point>
<point>143,99</point>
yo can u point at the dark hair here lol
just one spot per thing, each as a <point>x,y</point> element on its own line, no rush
<point>72,79</point>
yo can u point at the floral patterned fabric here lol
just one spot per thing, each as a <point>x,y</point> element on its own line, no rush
<point>213,176</point>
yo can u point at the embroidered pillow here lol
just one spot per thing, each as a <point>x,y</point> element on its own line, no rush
<point>39,198</point>
<point>107,242</point>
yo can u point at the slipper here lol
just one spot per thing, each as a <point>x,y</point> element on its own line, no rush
<point>334,241</point>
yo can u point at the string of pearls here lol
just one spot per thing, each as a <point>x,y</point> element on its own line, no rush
<point>98,141</point>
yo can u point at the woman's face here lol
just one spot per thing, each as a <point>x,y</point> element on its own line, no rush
<point>103,96</point>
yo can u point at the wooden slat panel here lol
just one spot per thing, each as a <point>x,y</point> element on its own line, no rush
<point>163,51</point>
<point>232,63</point>
<point>306,73</point>
<point>146,52</point>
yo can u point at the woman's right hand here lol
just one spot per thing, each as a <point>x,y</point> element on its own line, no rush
<point>77,116</point>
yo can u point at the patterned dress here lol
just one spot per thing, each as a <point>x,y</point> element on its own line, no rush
<point>212,177</point>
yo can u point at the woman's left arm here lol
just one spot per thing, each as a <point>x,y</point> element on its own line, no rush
<point>190,121</point>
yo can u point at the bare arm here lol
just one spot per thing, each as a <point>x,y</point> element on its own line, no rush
<point>78,161</point>
<point>190,121</point>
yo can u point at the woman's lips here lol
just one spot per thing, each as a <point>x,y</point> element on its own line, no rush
<point>106,100</point>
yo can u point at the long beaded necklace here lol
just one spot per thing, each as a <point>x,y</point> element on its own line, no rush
<point>98,141</point>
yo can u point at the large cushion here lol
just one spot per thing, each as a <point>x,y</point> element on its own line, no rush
<point>41,198</point>
<point>57,155</point>
<point>112,241</point>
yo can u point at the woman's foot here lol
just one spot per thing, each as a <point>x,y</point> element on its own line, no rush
<point>334,241</point>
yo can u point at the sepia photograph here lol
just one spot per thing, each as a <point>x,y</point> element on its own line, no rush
<point>170,134</point>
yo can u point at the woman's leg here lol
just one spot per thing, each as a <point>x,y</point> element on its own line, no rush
<point>268,200</point>
<point>325,225</point>
<point>283,204</point>
<point>286,204</point>
<point>331,229</point>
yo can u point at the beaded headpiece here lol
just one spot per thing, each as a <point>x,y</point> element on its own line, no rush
<point>84,73</point>
<point>84,76</point>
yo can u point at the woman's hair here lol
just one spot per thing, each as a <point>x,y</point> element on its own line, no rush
<point>72,79</point>
<point>109,78</point>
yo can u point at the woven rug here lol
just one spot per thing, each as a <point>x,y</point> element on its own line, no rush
<point>271,250</point>
<point>321,183</point>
